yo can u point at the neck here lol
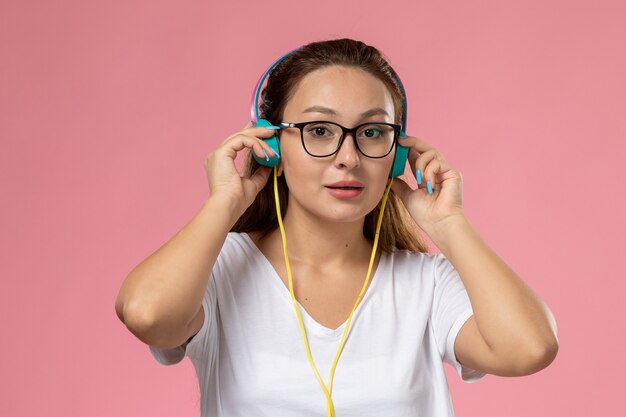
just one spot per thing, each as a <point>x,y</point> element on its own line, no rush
<point>314,241</point>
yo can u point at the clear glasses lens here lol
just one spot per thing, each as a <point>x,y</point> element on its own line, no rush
<point>373,139</point>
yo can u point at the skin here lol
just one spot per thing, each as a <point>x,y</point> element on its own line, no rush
<point>328,253</point>
<point>511,333</point>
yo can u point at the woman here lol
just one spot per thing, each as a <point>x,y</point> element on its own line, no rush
<point>265,312</point>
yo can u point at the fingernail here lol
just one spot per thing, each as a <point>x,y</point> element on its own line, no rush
<point>267,158</point>
<point>273,127</point>
<point>430,187</point>
<point>418,174</point>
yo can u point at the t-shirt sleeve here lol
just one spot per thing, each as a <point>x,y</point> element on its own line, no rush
<point>451,309</point>
<point>203,343</point>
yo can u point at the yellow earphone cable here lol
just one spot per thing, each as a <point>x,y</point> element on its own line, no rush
<point>330,408</point>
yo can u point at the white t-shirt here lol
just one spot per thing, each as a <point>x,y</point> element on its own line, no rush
<point>250,357</point>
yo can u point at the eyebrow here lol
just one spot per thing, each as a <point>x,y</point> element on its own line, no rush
<point>326,110</point>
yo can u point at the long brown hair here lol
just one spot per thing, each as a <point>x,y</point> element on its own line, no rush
<point>398,230</point>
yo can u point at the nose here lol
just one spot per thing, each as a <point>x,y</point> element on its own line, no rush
<point>348,155</point>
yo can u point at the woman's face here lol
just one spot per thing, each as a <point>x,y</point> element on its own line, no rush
<point>349,97</point>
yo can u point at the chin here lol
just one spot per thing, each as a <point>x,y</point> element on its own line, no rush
<point>343,214</point>
<point>333,210</point>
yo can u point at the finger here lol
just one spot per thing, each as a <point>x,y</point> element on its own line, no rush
<point>420,163</point>
<point>259,131</point>
<point>263,150</point>
<point>257,135</point>
<point>417,144</point>
<point>239,142</point>
<point>258,180</point>
<point>263,131</point>
<point>434,171</point>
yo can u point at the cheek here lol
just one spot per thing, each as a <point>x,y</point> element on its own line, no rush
<point>297,166</point>
<point>382,169</point>
<point>380,178</point>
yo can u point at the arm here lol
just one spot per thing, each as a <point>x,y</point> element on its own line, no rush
<point>512,332</point>
<point>161,299</point>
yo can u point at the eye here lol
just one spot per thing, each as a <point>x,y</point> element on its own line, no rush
<point>319,130</point>
<point>372,131</point>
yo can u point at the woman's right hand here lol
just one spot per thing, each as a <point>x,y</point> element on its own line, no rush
<point>225,181</point>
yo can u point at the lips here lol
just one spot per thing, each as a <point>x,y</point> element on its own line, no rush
<point>345,189</point>
<point>346,185</point>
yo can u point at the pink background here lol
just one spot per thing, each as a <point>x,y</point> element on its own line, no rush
<point>107,110</point>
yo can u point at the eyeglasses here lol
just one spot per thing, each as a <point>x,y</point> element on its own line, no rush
<point>320,138</point>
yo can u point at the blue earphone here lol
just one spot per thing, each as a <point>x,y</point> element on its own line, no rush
<point>401,153</point>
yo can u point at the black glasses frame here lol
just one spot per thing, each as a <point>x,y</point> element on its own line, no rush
<point>344,130</point>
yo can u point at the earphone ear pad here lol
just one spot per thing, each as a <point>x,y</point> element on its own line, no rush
<point>273,143</point>
<point>399,161</point>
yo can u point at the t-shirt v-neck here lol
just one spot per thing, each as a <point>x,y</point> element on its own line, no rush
<point>310,324</point>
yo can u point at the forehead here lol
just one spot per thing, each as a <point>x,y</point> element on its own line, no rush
<point>346,90</point>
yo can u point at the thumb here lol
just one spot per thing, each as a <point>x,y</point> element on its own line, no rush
<point>259,178</point>
<point>401,188</point>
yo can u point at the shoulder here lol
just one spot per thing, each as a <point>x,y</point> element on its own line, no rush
<point>235,239</point>
<point>404,259</point>
<point>238,260</point>
<point>428,267</point>
<point>236,247</point>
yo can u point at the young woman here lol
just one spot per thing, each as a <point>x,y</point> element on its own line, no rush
<point>330,308</point>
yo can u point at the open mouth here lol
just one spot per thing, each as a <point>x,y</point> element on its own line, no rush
<point>345,191</point>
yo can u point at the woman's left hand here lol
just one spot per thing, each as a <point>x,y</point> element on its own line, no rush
<point>446,201</point>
